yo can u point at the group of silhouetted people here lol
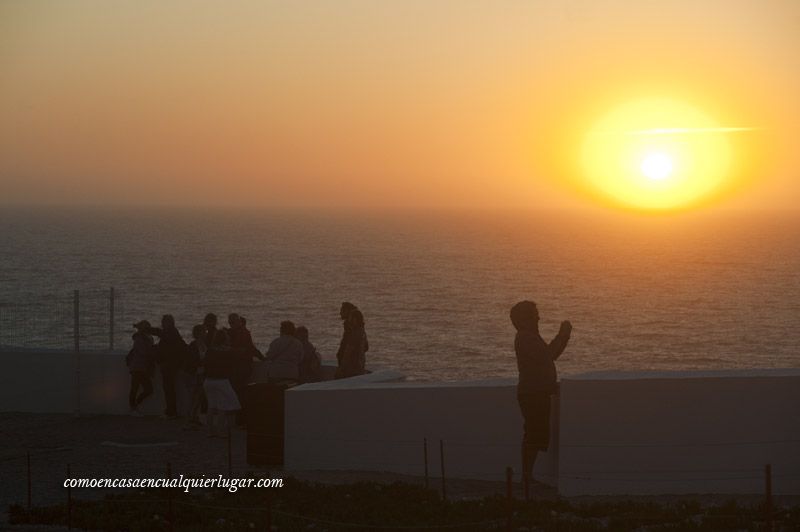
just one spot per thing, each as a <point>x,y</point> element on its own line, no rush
<point>217,365</point>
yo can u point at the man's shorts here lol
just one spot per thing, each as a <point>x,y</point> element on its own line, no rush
<point>535,409</point>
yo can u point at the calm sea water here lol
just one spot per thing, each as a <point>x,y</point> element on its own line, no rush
<point>679,292</point>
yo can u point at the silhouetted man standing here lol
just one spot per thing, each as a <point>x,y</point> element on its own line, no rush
<point>210,324</point>
<point>537,380</point>
<point>243,351</point>
<point>171,353</point>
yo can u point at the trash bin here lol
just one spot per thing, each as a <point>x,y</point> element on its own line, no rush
<point>264,416</point>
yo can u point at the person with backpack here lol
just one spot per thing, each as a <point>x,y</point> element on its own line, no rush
<point>140,362</point>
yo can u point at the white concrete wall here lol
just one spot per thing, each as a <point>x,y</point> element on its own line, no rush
<point>680,432</point>
<point>44,381</point>
<point>613,433</point>
<point>365,424</point>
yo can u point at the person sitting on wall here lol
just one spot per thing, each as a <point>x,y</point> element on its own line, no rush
<point>141,363</point>
<point>284,355</point>
<point>352,360</point>
<point>311,364</point>
<point>537,380</point>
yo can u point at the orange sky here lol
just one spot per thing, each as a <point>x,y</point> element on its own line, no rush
<point>372,104</point>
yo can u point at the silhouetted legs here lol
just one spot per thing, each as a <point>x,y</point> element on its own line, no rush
<point>239,380</point>
<point>196,397</point>
<point>139,379</point>
<point>203,401</point>
<point>238,388</point>
<point>529,454</point>
<point>168,381</point>
<point>535,410</point>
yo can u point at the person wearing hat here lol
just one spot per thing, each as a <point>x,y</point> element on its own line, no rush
<point>537,380</point>
<point>141,362</point>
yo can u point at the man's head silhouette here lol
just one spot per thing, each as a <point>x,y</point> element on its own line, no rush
<point>525,316</point>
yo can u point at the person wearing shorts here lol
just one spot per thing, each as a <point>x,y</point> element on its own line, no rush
<point>537,380</point>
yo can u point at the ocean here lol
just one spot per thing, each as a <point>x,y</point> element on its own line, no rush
<point>716,290</point>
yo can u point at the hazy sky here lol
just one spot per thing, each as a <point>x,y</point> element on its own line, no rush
<point>372,104</point>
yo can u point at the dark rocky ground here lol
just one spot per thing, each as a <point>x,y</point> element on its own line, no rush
<point>56,441</point>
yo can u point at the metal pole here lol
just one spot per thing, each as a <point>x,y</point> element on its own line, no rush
<point>425,456</point>
<point>230,454</point>
<point>768,495</point>
<point>76,322</point>
<point>269,513</point>
<point>28,454</point>
<point>170,515</point>
<point>441,456</point>
<point>77,356</point>
<point>69,500</point>
<point>510,496</point>
<point>111,320</point>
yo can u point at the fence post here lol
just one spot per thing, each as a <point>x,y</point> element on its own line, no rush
<point>425,457</point>
<point>768,495</point>
<point>170,515</point>
<point>268,516</point>
<point>28,456</point>
<point>441,457</point>
<point>525,483</point>
<point>69,500</point>
<point>230,453</point>
<point>111,319</point>
<point>509,496</point>
<point>76,307</point>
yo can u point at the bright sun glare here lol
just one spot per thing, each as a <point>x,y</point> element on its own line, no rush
<point>656,154</point>
<point>656,166</point>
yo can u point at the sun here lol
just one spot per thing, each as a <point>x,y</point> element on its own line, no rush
<point>656,154</point>
<point>656,166</point>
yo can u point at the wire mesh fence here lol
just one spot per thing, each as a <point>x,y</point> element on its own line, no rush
<point>85,320</point>
<point>46,322</point>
